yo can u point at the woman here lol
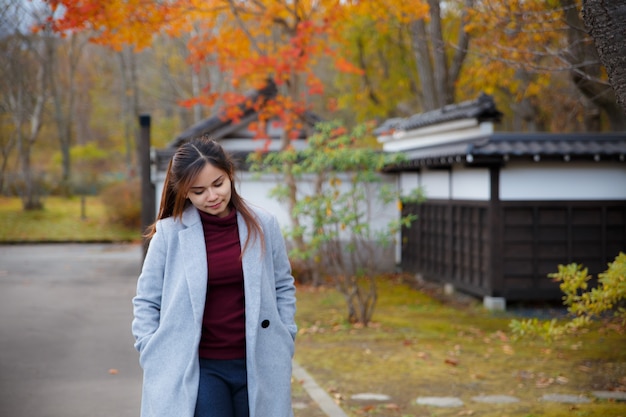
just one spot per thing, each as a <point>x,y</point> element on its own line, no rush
<point>214,311</point>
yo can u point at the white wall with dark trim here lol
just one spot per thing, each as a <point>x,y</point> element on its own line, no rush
<point>524,181</point>
<point>586,181</point>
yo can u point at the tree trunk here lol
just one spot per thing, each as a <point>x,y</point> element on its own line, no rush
<point>605,21</point>
<point>125,111</point>
<point>31,198</point>
<point>586,70</point>
<point>365,77</point>
<point>419,41</point>
<point>130,106</point>
<point>134,100</point>
<point>7,148</point>
<point>440,63</point>
<point>460,52</point>
<point>62,113</point>
<point>438,76</point>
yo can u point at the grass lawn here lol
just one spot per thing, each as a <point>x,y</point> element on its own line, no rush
<point>61,220</point>
<point>421,347</point>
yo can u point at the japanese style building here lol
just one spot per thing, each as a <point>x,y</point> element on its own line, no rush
<point>503,210</point>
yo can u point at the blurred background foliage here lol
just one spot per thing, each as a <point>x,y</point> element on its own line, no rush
<point>76,76</point>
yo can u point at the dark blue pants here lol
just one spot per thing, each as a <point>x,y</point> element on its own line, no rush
<point>223,389</point>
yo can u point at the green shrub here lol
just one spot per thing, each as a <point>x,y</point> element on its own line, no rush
<point>333,222</point>
<point>123,203</point>
<point>605,301</point>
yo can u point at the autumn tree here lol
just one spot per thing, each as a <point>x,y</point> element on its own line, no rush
<point>411,55</point>
<point>25,92</point>
<point>249,42</point>
<point>532,52</point>
<point>125,27</point>
<point>440,59</point>
<point>9,49</point>
<point>62,78</point>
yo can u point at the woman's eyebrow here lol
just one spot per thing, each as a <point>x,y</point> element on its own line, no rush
<point>218,179</point>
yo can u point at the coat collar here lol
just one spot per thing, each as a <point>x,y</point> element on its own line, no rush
<point>190,216</point>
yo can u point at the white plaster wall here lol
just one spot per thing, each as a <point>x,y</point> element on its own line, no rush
<point>470,184</point>
<point>563,181</point>
<point>407,182</point>
<point>256,190</point>
<point>525,181</point>
<point>460,183</point>
<point>439,134</point>
<point>158,179</point>
<point>436,184</point>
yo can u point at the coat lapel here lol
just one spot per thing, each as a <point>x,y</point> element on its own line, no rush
<point>252,272</point>
<point>193,250</point>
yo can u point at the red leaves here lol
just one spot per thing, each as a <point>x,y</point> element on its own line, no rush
<point>315,86</point>
<point>341,130</point>
<point>345,66</point>
<point>250,43</point>
<point>205,100</point>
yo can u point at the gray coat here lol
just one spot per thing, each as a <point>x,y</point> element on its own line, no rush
<point>168,311</point>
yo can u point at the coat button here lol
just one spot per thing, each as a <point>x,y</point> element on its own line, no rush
<point>265,324</point>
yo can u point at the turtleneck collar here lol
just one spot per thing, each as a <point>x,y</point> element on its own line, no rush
<point>228,220</point>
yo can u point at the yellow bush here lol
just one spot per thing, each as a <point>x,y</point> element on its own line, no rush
<point>606,301</point>
<point>123,203</point>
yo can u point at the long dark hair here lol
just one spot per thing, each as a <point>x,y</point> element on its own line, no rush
<point>190,158</point>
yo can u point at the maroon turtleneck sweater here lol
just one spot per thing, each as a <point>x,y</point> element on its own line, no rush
<point>223,325</point>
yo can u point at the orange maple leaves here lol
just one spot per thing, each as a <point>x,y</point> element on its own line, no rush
<point>291,43</point>
<point>115,23</point>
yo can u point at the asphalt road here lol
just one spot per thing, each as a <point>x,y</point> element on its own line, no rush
<point>66,348</point>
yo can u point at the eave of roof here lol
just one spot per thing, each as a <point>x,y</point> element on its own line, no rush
<point>499,148</point>
<point>219,125</point>
<point>482,109</point>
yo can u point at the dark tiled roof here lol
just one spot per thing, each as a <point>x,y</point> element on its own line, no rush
<point>498,148</point>
<point>482,109</point>
<point>580,144</point>
<point>219,125</point>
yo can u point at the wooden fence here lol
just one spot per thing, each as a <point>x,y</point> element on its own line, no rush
<point>506,249</point>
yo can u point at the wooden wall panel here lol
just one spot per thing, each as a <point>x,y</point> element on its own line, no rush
<point>450,243</point>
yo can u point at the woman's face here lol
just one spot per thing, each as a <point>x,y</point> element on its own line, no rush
<point>210,191</point>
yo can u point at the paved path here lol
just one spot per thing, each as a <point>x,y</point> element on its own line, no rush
<point>66,349</point>
<point>65,342</point>
<point>317,394</point>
